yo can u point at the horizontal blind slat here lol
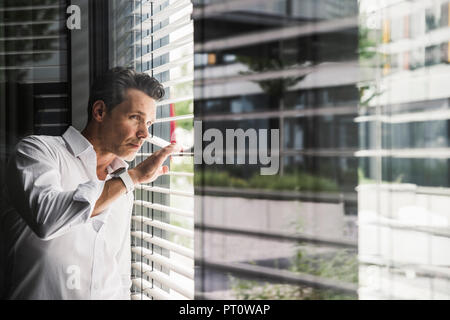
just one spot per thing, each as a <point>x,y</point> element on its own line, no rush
<point>157,141</point>
<point>179,80</point>
<point>139,296</point>
<point>162,278</point>
<point>175,118</point>
<point>146,286</point>
<point>165,31</point>
<point>26,8</point>
<point>29,22</point>
<point>164,208</point>
<point>176,154</point>
<point>163,261</point>
<point>157,3</point>
<point>174,63</point>
<point>179,43</point>
<point>174,100</point>
<point>167,12</point>
<point>181,173</point>
<point>169,245</point>
<point>164,226</point>
<point>165,190</point>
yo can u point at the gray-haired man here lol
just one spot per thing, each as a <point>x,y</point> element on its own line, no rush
<point>66,234</point>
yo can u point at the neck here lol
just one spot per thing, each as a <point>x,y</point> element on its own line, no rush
<point>104,158</point>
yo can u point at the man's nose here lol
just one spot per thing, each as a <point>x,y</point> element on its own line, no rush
<point>143,132</point>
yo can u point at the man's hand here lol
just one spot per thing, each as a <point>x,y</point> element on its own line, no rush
<point>151,168</point>
<point>145,172</point>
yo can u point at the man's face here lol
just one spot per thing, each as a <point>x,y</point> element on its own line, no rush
<point>125,127</point>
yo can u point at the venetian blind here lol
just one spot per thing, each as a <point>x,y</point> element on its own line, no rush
<point>158,35</point>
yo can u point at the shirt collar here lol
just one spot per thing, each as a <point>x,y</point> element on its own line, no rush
<point>78,144</point>
<point>116,164</point>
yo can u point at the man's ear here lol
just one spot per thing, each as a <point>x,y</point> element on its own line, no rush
<point>99,110</point>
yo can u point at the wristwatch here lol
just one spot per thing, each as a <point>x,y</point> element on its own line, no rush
<point>126,179</point>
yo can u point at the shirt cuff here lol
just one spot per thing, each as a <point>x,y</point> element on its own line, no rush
<point>89,192</point>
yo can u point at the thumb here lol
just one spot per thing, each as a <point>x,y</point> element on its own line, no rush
<point>161,170</point>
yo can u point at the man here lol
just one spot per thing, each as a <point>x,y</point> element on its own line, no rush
<point>66,234</point>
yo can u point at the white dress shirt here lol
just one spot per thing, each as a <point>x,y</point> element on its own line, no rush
<point>50,246</point>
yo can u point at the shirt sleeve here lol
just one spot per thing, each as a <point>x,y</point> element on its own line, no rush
<point>34,188</point>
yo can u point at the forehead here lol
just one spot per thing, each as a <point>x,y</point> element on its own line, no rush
<point>137,101</point>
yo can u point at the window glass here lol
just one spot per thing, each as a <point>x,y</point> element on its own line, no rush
<point>305,85</point>
<point>357,90</point>
<point>34,94</point>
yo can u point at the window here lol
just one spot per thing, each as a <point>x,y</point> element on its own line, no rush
<point>34,78</point>
<point>365,212</point>
<point>433,17</point>
<point>404,160</point>
<point>156,37</point>
<point>33,71</point>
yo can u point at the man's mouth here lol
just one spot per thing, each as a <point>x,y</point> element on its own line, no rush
<point>134,146</point>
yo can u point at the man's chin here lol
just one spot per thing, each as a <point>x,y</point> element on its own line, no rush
<point>127,156</point>
<point>130,157</point>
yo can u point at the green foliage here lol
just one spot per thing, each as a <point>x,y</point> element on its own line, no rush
<point>273,87</point>
<point>342,266</point>
<point>364,99</point>
<point>218,179</point>
<point>296,181</point>
<point>253,290</point>
<point>183,108</point>
<point>182,167</point>
<point>362,179</point>
<point>366,44</point>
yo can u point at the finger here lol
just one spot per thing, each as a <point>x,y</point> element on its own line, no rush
<point>161,155</point>
<point>175,147</point>
<point>172,148</point>
<point>162,170</point>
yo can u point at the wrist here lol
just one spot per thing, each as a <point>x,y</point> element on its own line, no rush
<point>134,176</point>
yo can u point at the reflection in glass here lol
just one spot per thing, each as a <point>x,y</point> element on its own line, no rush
<point>403,191</point>
<point>358,90</point>
<point>33,71</point>
<point>292,66</point>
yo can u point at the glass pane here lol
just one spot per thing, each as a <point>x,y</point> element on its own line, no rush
<point>260,67</point>
<point>34,94</point>
<point>357,90</point>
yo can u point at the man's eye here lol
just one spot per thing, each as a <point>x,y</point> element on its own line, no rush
<point>135,117</point>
